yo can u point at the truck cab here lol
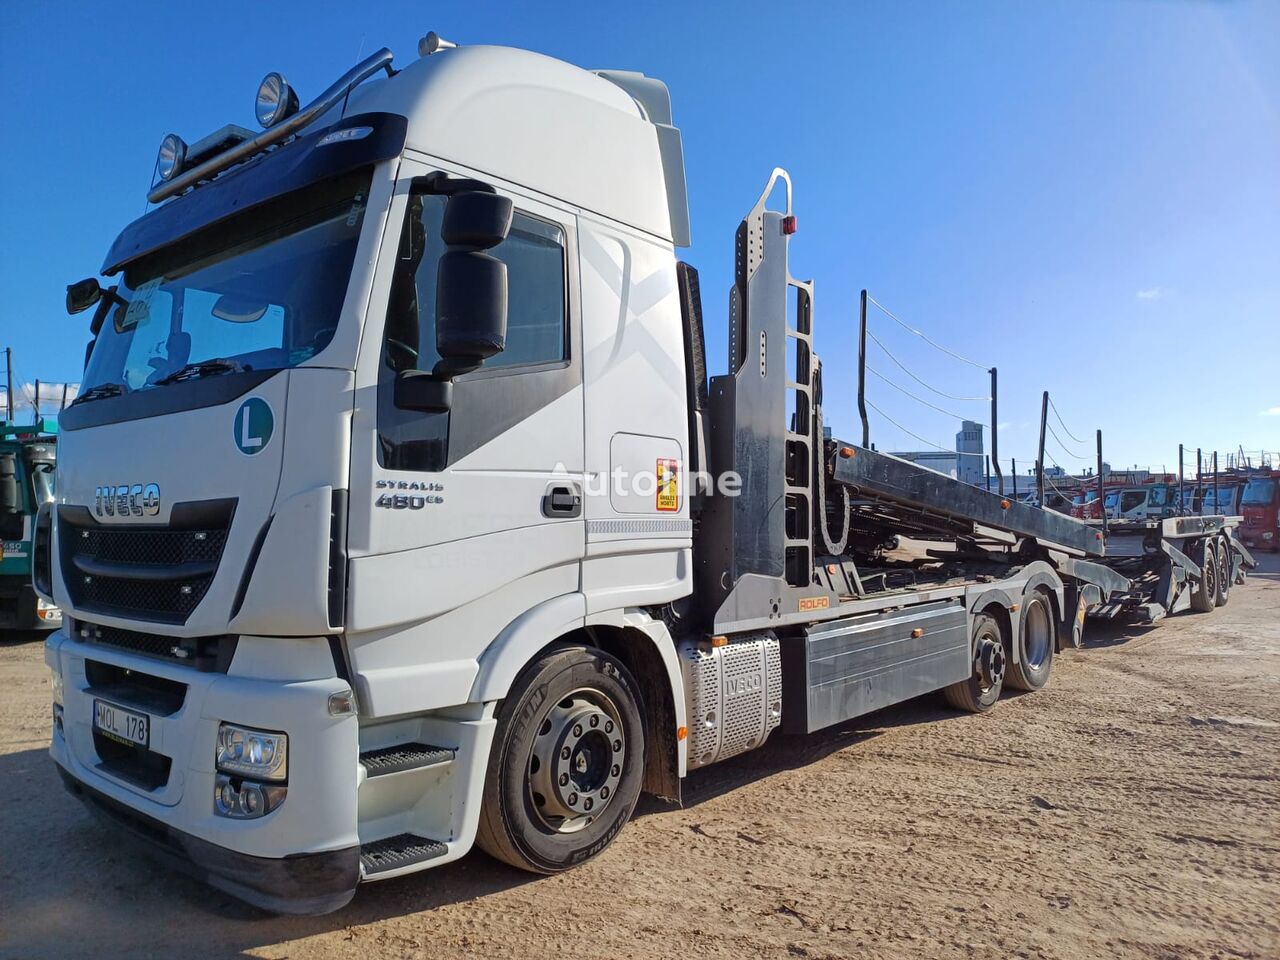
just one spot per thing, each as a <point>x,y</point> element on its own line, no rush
<point>323,494</point>
<point>28,458</point>
<point>1260,506</point>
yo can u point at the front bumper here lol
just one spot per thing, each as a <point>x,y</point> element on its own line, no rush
<point>300,858</point>
<point>310,883</point>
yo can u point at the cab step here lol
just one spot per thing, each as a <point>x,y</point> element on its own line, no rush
<point>402,850</point>
<point>403,756</point>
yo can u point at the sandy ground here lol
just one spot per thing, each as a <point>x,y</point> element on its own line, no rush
<point>1131,809</point>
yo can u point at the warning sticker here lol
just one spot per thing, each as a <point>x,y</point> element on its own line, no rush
<point>668,484</point>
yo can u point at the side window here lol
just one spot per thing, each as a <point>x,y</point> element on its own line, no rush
<point>537,323</point>
<point>536,314</point>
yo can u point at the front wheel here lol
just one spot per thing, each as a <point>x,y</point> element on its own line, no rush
<point>1037,638</point>
<point>981,690</point>
<point>566,764</point>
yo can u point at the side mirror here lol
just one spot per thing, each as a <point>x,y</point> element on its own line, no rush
<point>82,295</point>
<point>471,285</point>
<point>422,391</point>
<point>471,292</point>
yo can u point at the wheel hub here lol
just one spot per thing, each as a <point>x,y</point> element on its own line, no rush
<point>989,663</point>
<point>576,761</point>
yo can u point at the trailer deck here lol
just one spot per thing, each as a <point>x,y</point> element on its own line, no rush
<point>934,501</point>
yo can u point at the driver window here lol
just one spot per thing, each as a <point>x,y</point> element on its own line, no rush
<point>537,323</point>
<point>536,318</point>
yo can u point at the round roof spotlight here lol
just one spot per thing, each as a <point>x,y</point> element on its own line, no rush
<point>276,100</point>
<point>173,154</point>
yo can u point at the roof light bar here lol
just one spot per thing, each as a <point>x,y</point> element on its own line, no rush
<point>280,131</point>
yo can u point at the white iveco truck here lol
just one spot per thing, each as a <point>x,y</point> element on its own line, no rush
<point>376,528</point>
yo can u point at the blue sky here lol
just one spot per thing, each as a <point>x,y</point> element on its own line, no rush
<point>1085,194</point>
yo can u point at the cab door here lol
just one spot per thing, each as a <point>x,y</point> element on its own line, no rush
<point>463,519</point>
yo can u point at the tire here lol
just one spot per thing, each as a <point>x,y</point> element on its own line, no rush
<point>1037,641</point>
<point>980,691</point>
<point>1204,592</point>
<point>554,795</point>
<point>1223,550</point>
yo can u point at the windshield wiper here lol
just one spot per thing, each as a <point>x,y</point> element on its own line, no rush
<point>100,391</point>
<point>202,368</point>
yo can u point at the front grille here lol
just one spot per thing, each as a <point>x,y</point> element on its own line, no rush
<point>143,572</point>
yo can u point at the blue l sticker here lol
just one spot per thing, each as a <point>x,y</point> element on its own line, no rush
<point>253,426</point>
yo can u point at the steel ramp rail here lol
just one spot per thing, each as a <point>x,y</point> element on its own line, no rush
<point>926,493</point>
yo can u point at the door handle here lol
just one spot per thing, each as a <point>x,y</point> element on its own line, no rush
<point>562,500</point>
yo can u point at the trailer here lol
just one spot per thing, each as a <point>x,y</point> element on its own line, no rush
<point>463,547</point>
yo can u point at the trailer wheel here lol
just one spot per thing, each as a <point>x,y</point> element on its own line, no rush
<point>981,690</point>
<point>1037,639</point>
<point>1223,551</point>
<point>1204,593</point>
<point>566,763</point>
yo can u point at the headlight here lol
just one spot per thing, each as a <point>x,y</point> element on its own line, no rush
<point>173,154</point>
<point>259,754</point>
<point>276,100</point>
<point>55,681</point>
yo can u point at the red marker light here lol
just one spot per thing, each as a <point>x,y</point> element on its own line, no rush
<point>788,225</point>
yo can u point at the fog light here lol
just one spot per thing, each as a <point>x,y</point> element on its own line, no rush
<point>245,799</point>
<point>55,681</point>
<point>57,719</point>
<point>260,754</point>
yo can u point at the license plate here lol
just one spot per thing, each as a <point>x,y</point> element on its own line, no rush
<point>126,726</point>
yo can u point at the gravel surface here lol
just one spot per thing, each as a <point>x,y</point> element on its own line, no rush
<point>1130,809</point>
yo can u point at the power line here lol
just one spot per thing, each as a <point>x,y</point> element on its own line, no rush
<point>931,406</point>
<point>917,436</point>
<point>903,368</point>
<point>1065,449</point>
<point>1061,421</point>
<point>922,336</point>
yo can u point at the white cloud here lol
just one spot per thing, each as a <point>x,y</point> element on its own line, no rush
<point>1270,412</point>
<point>1153,293</point>
<point>24,396</point>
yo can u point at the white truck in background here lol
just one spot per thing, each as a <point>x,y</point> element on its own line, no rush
<point>377,531</point>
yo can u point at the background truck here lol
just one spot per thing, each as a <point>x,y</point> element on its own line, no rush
<point>397,513</point>
<point>1260,506</point>
<point>28,454</point>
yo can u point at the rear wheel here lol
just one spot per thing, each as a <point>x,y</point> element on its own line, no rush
<point>1204,593</point>
<point>1223,549</point>
<point>566,763</point>
<point>981,690</point>
<point>1037,638</point>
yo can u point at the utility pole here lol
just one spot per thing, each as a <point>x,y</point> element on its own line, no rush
<point>8,378</point>
<point>37,417</point>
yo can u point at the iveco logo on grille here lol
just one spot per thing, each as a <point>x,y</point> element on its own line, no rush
<point>137,500</point>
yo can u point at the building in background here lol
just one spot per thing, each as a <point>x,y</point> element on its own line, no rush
<point>967,462</point>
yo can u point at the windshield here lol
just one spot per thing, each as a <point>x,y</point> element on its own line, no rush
<point>262,290</point>
<point>1259,493</point>
<point>1159,496</point>
<point>1112,499</point>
